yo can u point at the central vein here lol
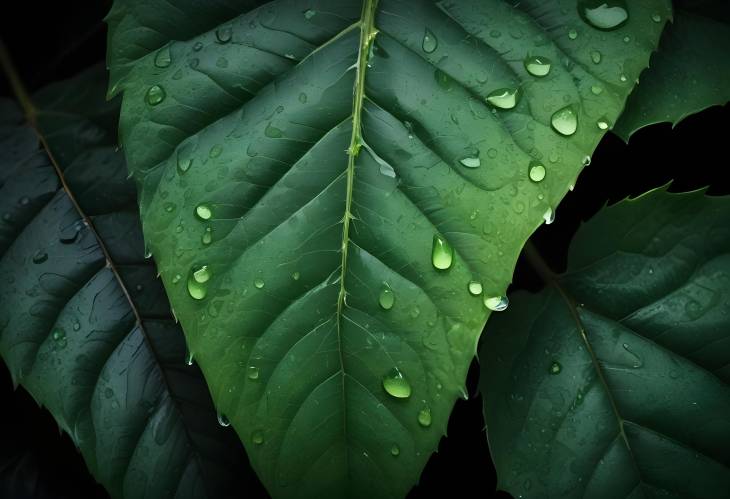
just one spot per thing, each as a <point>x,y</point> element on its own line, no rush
<point>367,35</point>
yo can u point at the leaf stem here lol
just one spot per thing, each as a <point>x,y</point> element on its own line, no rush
<point>31,114</point>
<point>16,84</point>
<point>538,263</point>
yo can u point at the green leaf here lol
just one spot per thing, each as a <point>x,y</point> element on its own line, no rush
<point>615,380</point>
<point>110,370</point>
<point>690,71</point>
<point>322,181</point>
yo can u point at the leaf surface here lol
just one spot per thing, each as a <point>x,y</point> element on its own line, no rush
<point>615,382</point>
<point>118,386</point>
<point>689,72</point>
<point>298,164</point>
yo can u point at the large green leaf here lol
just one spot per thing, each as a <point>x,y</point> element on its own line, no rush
<point>615,380</point>
<point>112,374</point>
<point>298,164</point>
<point>690,71</point>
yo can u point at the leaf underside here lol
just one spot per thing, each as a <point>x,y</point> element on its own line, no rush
<point>305,155</point>
<point>142,419</point>
<point>689,72</point>
<point>617,383</point>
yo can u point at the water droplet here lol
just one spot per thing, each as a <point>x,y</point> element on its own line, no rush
<point>197,282</point>
<point>207,236</point>
<point>253,372</point>
<point>596,89</point>
<point>257,437</point>
<point>596,57</point>
<point>296,276</point>
<point>656,18</point>
<point>309,13</point>
<point>572,34</point>
<point>176,278</point>
<point>495,33</point>
<point>555,367</point>
<point>387,297</point>
<point>430,42</point>
<point>198,46</point>
<point>215,151</point>
<point>183,164</point>
<point>303,98</point>
<point>442,254</point>
<point>155,95</point>
<point>394,450</point>
<point>549,216</point>
<point>424,417</point>
<point>223,34</point>
<point>586,161</point>
<point>40,257</point>
<point>203,211</point>
<point>272,132</point>
<point>603,14</point>
<point>565,121</point>
<point>189,358</point>
<point>496,303</point>
<point>471,161</point>
<point>538,66</point>
<point>623,78</point>
<point>59,338</point>
<point>76,326</point>
<point>163,58</point>
<point>627,39</point>
<point>603,123</point>
<point>537,171</point>
<point>475,288</point>
<point>396,385</point>
<point>223,420</point>
<point>636,361</point>
<point>504,98</point>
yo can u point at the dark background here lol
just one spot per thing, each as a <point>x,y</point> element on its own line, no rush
<point>53,41</point>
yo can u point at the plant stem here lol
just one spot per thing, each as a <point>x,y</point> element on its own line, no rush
<point>538,263</point>
<point>18,89</point>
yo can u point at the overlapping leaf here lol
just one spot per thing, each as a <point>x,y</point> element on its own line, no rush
<point>689,72</point>
<point>142,419</point>
<point>333,190</point>
<point>615,381</point>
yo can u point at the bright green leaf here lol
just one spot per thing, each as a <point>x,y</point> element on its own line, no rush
<point>689,72</point>
<point>142,419</point>
<point>323,183</point>
<point>615,381</point>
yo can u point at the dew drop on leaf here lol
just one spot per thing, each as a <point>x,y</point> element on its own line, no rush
<point>272,132</point>
<point>555,367</point>
<point>40,257</point>
<point>471,161</point>
<point>430,42</point>
<point>197,282</point>
<point>155,95</point>
<point>537,171</point>
<point>496,303</point>
<point>538,66</point>
<point>387,297</point>
<point>475,288</point>
<point>565,121</point>
<point>203,211</point>
<point>424,417</point>
<point>309,13</point>
<point>549,216</point>
<point>163,58</point>
<point>603,14</point>
<point>207,236</point>
<point>442,254</point>
<point>603,124</point>
<point>572,34</point>
<point>396,385</point>
<point>257,437</point>
<point>596,57</point>
<point>259,283</point>
<point>504,98</point>
<point>223,35</point>
<point>395,450</point>
<point>223,420</point>
<point>253,372</point>
<point>189,360</point>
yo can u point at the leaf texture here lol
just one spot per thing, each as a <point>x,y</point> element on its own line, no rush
<point>298,163</point>
<point>615,381</point>
<point>69,334</point>
<point>689,72</point>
